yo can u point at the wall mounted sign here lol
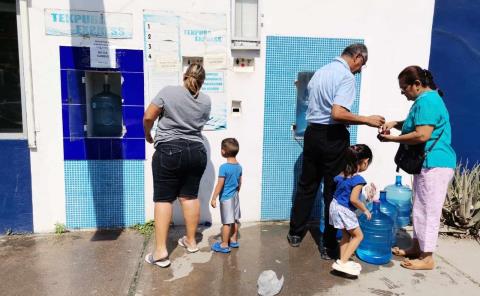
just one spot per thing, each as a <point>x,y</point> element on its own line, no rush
<point>88,23</point>
<point>172,40</point>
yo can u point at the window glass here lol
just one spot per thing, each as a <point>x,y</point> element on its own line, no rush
<point>10,96</point>
<point>246,19</point>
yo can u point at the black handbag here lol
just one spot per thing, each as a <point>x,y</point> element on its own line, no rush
<point>410,158</point>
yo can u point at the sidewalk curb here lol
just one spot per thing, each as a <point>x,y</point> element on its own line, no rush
<point>133,285</point>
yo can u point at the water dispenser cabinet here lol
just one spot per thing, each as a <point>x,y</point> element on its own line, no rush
<point>104,105</point>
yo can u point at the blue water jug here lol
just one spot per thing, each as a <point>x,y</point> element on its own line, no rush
<point>363,200</point>
<point>390,210</point>
<point>401,196</point>
<point>375,247</point>
<point>106,113</point>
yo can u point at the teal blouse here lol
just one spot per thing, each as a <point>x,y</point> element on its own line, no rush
<point>429,109</point>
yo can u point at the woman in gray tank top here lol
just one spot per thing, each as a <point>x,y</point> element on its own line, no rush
<point>180,157</point>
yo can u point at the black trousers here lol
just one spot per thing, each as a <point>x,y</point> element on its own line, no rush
<point>323,159</point>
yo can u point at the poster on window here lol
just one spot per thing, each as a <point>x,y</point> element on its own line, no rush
<point>171,39</point>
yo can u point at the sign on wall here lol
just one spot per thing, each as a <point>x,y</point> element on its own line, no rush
<point>102,54</point>
<point>88,23</point>
<point>171,39</point>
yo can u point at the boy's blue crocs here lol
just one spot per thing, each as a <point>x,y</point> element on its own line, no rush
<point>218,248</point>
<point>234,245</point>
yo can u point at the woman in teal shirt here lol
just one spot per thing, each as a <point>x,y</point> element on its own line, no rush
<point>427,121</point>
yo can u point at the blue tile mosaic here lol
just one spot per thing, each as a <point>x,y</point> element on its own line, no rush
<point>78,58</point>
<point>73,88</point>
<point>74,121</point>
<point>73,57</point>
<point>133,148</point>
<point>97,148</point>
<point>133,121</point>
<point>74,149</point>
<point>133,89</point>
<point>117,149</point>
<point>64,86</point>
<point>66,130</point>
<point>104,193</point>
<point>130,60</point>
<point>103,149</point>
<point>103,189</point>
<point>75,61</point>
<point>285,58</point>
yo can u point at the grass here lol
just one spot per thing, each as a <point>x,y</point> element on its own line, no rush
<point>146,228</point>
<point>60,228</point>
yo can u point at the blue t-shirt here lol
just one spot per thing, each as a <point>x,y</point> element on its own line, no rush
<point>344,189</point>
<point>429,109</point>
<point>232,173</point>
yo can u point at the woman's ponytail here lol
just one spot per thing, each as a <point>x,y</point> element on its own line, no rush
<point>193,78</point>
<point>430,83</point>
<point>413,73</point>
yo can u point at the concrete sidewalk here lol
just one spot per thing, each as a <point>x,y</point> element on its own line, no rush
<point>111,263</point>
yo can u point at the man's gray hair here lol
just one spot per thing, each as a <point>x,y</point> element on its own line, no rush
<point>354,49</point>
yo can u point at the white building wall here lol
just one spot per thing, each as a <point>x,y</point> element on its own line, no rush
<point>397,34</point>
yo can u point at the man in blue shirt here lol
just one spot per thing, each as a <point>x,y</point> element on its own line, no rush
<point>331,95</point>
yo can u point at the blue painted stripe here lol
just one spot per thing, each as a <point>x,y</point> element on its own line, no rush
<point>15,187</point>
<point>455,64</point>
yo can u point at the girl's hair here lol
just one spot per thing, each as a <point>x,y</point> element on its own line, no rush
<point>354,155</point>
<point>194,78</point>
<point>413,73</point>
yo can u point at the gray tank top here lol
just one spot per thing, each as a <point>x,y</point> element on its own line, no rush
<point>183,116</point>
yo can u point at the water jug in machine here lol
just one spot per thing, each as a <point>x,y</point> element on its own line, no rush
<point>375,247</point>
<point>401,196</point>
<point>106,113</point>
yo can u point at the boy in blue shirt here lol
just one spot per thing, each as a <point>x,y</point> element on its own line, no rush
<point>228,186</point>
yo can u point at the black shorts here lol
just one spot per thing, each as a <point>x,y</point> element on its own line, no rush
<point>177,167</point>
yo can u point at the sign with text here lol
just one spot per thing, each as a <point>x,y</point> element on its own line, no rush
<point>102,54</point>
<point>172,38</point>
<point>88,23</point>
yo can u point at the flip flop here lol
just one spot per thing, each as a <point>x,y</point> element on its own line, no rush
<point>409,265</point>
<point>403,253</point>
<point>162,262</point>
<point>234,245</point>
<point>183,243</point>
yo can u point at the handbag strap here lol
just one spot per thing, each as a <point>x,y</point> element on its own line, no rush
<point>431,147</point>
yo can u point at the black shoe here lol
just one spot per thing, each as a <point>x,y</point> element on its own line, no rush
<point>294,240</point>
<point>329,254</point>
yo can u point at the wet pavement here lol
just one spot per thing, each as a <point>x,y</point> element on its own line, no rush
<point>111,263</point>
<point>80,263</point>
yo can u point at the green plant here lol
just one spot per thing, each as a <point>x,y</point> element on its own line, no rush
<point>462,205</point>
<point>146,229</point>
<point>60,228</point>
